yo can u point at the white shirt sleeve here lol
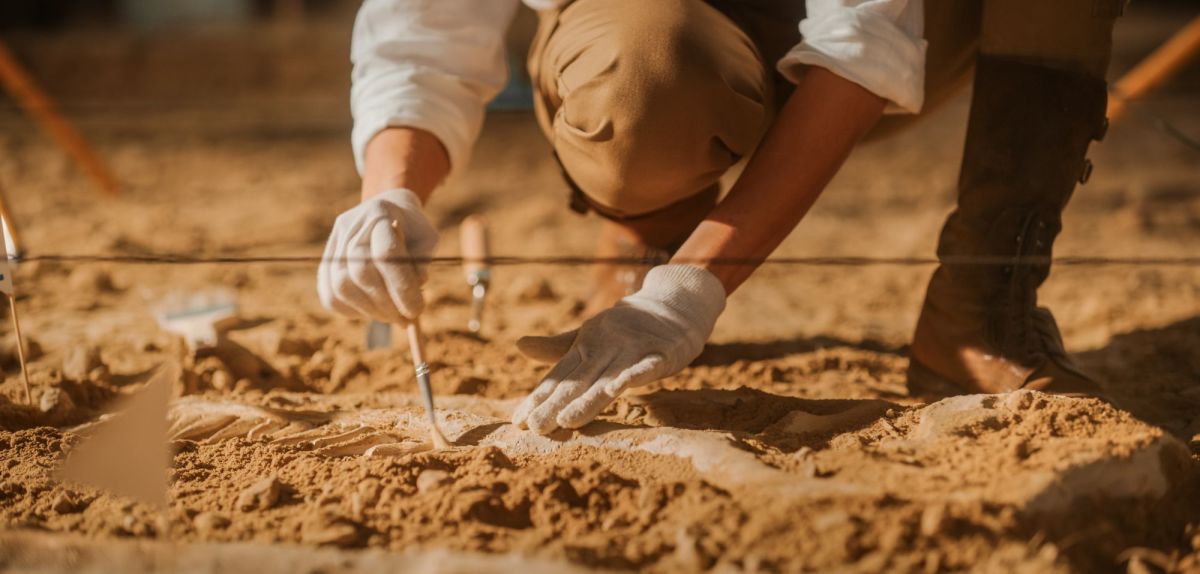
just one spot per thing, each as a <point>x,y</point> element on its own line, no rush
<point>877,44</point>
<point>427,64</point>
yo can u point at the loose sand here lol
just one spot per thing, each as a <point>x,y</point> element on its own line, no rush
<point>790,444</point>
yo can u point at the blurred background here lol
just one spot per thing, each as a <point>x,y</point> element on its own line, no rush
<point>226,125</point>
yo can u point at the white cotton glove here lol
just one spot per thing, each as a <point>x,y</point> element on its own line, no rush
<point>647,336</point>
<point>356,277</point>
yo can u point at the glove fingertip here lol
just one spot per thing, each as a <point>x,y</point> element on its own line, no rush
<point>546,349</point>
<point>542,425</point>
<point>520,414</point>
<point>411,301</point>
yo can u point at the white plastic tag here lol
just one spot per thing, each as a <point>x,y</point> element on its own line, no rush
<point>6,281</point>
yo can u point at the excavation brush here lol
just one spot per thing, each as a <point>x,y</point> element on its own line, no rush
<point>416,343</point>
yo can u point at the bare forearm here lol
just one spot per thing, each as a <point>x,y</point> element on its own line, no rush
<point>816,130</point>
<point>410,158</point>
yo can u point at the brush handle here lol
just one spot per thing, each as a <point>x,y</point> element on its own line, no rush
<point>416,342</point>
<point>476,247</point>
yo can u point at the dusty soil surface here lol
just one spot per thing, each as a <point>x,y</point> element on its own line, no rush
<point>791,444</point>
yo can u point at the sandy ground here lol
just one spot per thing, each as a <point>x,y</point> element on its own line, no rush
<point>791,444</point>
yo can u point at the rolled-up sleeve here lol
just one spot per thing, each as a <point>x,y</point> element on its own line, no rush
<point>427,64</point>
<point>877,44</point>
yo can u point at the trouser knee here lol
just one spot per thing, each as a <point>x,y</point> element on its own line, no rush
<point>648,103</point>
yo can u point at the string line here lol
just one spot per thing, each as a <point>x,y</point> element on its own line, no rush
<point>567,261</point>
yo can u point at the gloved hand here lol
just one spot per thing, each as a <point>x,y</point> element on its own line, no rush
<point>355,277</point>
<point>647,336</point>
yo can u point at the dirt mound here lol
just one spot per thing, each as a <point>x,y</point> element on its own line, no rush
<point>814,484</point>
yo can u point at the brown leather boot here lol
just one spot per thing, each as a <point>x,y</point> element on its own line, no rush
<point>981,330</point>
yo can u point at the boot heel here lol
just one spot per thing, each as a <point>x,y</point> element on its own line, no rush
<point>927,385</point>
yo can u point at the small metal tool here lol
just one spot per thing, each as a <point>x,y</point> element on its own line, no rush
<point>6,287</point>
<point>416,343</point>
<point>476,250</point>
<point>379,335</point>
<point>12,305</point>
<point>197,316</point>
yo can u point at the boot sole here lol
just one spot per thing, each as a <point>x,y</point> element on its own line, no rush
<point>929,386</point>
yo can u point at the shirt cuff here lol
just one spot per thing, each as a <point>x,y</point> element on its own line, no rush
<point>866,48</point>
<point>409,98</point>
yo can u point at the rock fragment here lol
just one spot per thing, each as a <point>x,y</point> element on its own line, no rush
<point>67,503</point>
<point>429,480</point>
<point>222,381</point>
<point>331,530</point>
<point>80,362</point>
<point>56,403</point>
<point>263,495</point>
<point>209,522</point>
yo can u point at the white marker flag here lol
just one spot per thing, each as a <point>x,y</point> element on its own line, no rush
<point>6,283</point>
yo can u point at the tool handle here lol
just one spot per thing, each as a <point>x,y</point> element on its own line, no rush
<point>476,246</point>
<point>1157,68</point>
<point>416,342</point>
<point>30,97</point>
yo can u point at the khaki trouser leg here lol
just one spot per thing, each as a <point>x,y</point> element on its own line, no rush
<point>1070,35</point>
<point>647,103</point>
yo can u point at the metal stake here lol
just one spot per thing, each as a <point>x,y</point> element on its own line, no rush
<point>12,305</point>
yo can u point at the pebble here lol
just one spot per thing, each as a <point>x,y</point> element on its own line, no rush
<point>431,479</point>
<point>56,403</point>
<point>330,530</point>
<point>262,495</point>
<point>207,522</point>
<point>222,381</point>
<point>66,503</point>
<point>80,362</point>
